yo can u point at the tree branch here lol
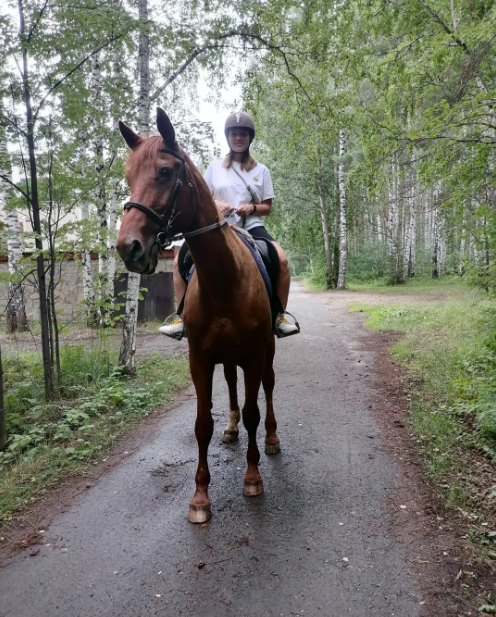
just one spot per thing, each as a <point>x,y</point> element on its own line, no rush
<point>231,34</point>
<point>35,25</point>
<point>74,69</point>
<point>18,188</point>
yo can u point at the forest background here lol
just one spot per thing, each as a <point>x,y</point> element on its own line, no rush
<point>376,120</point>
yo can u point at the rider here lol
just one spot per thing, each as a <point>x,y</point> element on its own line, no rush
<point>243,193</point>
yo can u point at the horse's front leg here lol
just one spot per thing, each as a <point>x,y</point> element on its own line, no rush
<point>231,432</point>
<point>251,420</point>
<point>202,374</point>
<point>272,445</point>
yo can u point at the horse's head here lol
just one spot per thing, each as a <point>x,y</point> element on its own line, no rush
<point>160,204</point>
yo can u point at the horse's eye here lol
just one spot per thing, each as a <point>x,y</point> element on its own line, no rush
<point>165,173</point>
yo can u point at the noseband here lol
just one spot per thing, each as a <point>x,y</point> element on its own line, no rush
<point>164,236</point>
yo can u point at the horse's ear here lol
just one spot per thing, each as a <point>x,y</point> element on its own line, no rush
<point>165,128</point>
<point>132,139</point>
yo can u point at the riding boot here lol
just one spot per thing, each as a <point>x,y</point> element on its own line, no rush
<point>285,328</point>
<point>173,327</point>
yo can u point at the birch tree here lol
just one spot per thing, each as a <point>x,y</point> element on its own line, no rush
<point>128,344</point>
<point>343,227</point>
<point>15,312</point>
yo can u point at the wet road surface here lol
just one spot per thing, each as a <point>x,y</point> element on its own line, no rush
<point>317,542</point>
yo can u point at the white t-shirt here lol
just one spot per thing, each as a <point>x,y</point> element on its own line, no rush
<point>227,186</point>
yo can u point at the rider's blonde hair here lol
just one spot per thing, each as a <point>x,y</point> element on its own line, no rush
<point>247,163</point>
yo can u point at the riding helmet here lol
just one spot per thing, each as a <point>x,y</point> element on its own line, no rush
<point>240,120</point>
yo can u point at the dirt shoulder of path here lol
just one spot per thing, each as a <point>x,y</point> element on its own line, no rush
<point>454,583</point>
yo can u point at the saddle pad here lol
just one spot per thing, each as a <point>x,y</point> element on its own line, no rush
<point>258,260</point>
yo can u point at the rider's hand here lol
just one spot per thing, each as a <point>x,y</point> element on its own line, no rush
<point>244,209</point>
<point>223,207</point>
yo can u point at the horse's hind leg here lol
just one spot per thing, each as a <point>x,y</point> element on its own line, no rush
<point>202,374</point>
<point>231,432</point>
<point>272,445</point>
<point>251,420</point>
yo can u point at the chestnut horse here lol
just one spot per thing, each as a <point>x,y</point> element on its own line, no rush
<point>226,313</point>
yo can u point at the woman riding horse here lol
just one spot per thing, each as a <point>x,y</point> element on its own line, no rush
<point>227,312</point>
<point>243,192</point>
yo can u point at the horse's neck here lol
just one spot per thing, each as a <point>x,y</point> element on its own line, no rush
<point>217,261</point>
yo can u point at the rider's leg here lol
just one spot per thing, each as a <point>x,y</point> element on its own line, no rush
<point>282,326</point>
<point>173,326</point>
<point>178,281</point>
<point>284,279</point>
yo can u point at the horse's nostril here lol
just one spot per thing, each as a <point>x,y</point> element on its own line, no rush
<point>136,250</point>
<point>130,251</point>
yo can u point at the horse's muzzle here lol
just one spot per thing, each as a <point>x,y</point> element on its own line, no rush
<point>136,258</point>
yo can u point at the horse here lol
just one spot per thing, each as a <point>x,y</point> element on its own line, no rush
<point>226,313</point>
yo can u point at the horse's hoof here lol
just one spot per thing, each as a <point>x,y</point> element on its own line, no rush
<point>272,448</point>
<point>199,514</point>
<point>230,436</point>
<point>252,489</point>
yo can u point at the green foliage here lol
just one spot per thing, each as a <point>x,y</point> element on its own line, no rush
<point>368,263</point>
<point>97,403</point>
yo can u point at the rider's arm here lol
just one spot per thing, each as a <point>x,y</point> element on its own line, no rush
<point>262,209</point>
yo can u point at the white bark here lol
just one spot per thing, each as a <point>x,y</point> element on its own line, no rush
<point>88,288</point>
<point>393,225</point>
<point>112,223</point>
<point>101,206</point>
<point>88,291</point>
<point>128,343</point>
<point>15,312</point>
<point>410,223</point>
<point>343,231</point>
<point>436,249</point>
<point>128,346</point>
<point>325,233</point>
<point>144,70</point>
<point>111,241</point>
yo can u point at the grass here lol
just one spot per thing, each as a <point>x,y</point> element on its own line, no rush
<point>424,285</point>
<point>448,348</point>
<point>96,405</point>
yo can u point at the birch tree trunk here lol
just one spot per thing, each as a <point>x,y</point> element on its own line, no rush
<point>343,231</point>
<point>35,211</point>
<point>393,225</point>
<point>88,287</point>
<point>128,344</point>
<point>435,237</point>
<point>409,235</point>
<point>325,227</point>
<point>461,255</point>
<point>3,423</point>
<point>114,186</point>
<point>15,314</point>
<point>111,242</point>
<point>101,205</point>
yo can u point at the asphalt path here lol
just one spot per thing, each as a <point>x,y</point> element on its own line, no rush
<point>317,542</point>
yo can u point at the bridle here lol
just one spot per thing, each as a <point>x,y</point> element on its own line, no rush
<point>164,236</point>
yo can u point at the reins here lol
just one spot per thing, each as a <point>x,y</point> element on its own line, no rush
<point>164,236</point>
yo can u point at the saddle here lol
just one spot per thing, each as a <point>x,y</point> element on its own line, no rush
<point>265,256</point>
